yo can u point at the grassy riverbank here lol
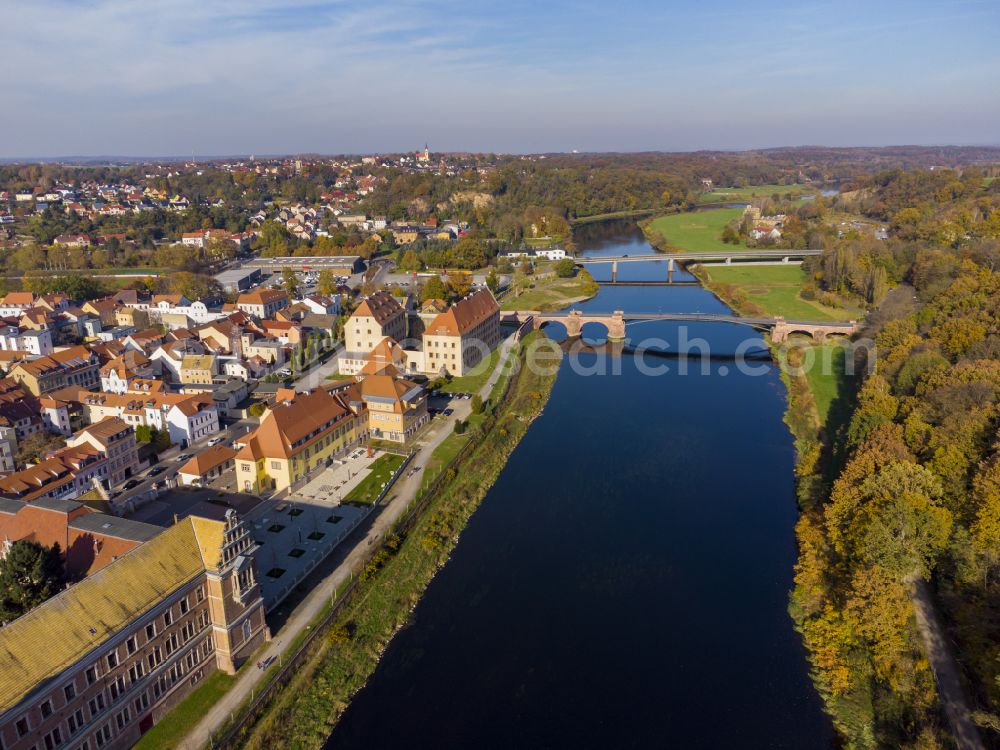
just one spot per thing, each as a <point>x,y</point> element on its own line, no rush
<point>305,712</point>
<point>692,231</point>
<point>551,292</point>
<point>774,290</point>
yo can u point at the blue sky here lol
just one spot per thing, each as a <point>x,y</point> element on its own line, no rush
<point>201,77</point>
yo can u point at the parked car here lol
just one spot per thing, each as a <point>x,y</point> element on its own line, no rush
<point>130,484</point>
<point>214,441</point>
<point>184,457</point>
<point>157,470</point>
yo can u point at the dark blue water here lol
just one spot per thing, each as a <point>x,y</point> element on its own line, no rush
<point>624,584</point>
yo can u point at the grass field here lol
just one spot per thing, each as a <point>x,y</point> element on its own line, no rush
<point>828,381</point>
<point>382,469</point>
<point>473,382</point>
<point>697,232</point>
<point>776,290</point>
<point>552,293</point>
<point>754,191</point>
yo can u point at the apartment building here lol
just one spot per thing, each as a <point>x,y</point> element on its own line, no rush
<point>458,339</point>
<point>262,303</point>
<point>63,475</point>
<point>76,366</point>
<point>186,417</point>
<point>129,642</point>
<point>116,440</point>
<point>378,316</point>
<point>301,432</point>
<point>199,369</point>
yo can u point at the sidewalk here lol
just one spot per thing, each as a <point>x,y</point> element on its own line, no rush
<point>392,508</point>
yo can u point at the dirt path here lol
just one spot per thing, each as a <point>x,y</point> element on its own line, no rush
<point>946,671</point>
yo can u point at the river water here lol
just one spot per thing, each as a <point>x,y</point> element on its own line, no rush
<point>625,582</point>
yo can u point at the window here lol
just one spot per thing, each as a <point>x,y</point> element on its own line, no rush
<point>22,726</point>
<point>69,691</point>
<point>53,739</point>
<point>96,705</point>
<point>130,645</point>
<point>122,718</point>
<point>184,605</point>
<point>46,709</point>
<point>112,659</point>
<point>151,631</point>
<point>75,721</point>
<point>117,688</point>
<point>246,630</point>
<point>168,617</point>
<point>276,464</point>
<point>91,675</point>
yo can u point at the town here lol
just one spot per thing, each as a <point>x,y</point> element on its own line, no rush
<point>186,461</point>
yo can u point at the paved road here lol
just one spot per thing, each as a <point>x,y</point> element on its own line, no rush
<point>363,539</point>
<point>168,458</point>
<point>946,671</point>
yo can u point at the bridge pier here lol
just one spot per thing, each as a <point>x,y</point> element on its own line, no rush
<point>616,326</point>
<point>729,260</point>
<point>670,270</point>
<point>785,259</point>
<point>614,271</point>
<point>574,326</point>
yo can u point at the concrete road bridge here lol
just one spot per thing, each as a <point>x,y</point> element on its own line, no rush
<point>615,322</point>
<point>725,256</point>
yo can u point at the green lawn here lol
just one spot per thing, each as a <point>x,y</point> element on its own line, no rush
<point>382,469</point>
<point>551,293</point>
<point>754,191</point>
<point>176,724</point>
<point>476,378</point>
<point>698,231</point>
<point>831,386</point>
<point>776,290</point>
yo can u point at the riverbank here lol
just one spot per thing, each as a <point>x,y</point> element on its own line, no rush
<point>546,293</point>
<point>307,709</point>
<point>773,290</point>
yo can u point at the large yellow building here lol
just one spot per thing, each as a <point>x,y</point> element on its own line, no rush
<point>100,663</point>
<point>301,432</point>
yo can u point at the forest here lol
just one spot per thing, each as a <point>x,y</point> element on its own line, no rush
<point>909,489</point>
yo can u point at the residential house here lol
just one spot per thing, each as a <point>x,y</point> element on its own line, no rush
<point>198,368</point>
<point>207,464</point>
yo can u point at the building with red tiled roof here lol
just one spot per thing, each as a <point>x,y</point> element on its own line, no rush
<point>300,433</point>
<point>377,316</point>
<point>459,338</point>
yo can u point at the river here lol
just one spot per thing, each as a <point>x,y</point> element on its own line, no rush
<point>625,582</point>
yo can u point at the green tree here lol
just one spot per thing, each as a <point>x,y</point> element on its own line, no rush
<point>30,573</point>
<point>327,283</point>
<point>410,262</point>
<point>433,289</point>
<point>565,268</point>
<point>460,283</point>
<point>478,404</point>
<point>492,280</point>
<point>291,282</point>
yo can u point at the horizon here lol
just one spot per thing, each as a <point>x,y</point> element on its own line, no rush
<point>116,78</point>
<point>173,158</point>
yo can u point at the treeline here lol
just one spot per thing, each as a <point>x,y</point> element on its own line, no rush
<point>919,497</point>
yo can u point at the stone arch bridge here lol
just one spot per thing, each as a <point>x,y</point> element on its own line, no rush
<point>615,322</point>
